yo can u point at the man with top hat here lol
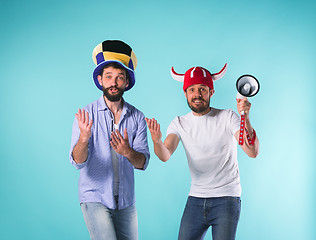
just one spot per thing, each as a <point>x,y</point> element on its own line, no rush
<point>209,136</point>
<point>109,141</point>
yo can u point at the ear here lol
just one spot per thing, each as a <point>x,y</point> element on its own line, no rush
<point>185,94</point>
<point>212,91</point>
<point>99,79</point>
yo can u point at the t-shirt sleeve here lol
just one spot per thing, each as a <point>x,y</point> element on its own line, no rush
<point>173,128</point>
<point>234,122</point>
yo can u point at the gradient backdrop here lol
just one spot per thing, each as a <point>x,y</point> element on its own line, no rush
<point>46,75</point>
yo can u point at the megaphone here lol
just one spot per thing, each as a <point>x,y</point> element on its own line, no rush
<point>247,86</point>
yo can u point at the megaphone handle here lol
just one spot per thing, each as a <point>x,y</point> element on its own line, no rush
<point>242,129</point>
<point>242,122</point>
<point>239,96</point>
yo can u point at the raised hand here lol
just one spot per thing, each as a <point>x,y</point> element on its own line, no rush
<point>154,128</point>
<point>243,105</point>
<point>84,124</point>
<point>119,143</point>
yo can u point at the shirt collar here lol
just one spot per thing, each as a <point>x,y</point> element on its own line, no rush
<point>102,105</point>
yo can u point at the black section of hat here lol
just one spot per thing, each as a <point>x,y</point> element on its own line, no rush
<point>116,46</point>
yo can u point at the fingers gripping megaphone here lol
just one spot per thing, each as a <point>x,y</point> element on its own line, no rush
<point>247,86</point>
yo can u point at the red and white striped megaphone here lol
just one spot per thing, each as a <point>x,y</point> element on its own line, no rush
<point>247,86</point>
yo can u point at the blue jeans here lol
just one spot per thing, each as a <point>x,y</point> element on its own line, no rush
<point>222,213</point>
<point>110,224</point>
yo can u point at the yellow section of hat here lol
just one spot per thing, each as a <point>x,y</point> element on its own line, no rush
<point>123,58</point>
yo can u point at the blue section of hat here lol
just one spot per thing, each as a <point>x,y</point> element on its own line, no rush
<point>99,57</point>
<point>130,64</point>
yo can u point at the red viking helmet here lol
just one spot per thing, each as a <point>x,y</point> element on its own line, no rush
<point>198,75</point>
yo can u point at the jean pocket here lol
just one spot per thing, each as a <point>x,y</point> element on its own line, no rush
<point>235,199</point>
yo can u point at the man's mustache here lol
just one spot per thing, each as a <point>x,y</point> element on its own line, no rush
<point>199,98</point>
<point>113,87</point>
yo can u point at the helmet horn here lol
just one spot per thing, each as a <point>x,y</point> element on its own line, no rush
<point>220,74</point>
<point>176,76</point>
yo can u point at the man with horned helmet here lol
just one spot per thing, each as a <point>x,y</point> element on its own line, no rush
<point>109,141</point>
<point>209,136</point>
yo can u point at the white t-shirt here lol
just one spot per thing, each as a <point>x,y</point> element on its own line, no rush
<point>115,163</point>
<point>211,150</point>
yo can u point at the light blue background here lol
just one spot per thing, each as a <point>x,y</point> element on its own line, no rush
<point>46,75</point>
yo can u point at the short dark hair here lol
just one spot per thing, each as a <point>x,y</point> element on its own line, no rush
<point>116,66</point>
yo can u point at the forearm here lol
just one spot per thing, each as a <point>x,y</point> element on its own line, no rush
<point>252,150</point>
<point>161,151</point>
<point>137,159</point>
<point>248,128</point>
<point>80,151</point>
<point>251,146</point>
<point>165,149</point>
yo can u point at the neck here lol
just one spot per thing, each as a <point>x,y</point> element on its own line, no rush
<point>202,113</point>
<point>114,107</point>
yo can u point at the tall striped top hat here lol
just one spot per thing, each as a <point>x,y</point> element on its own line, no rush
<point>114,51</point>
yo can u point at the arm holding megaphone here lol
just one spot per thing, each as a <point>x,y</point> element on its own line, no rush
<point>251,148</point>
<point>247,86</point>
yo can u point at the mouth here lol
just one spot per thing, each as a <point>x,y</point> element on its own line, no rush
<point>197,101</point>
<point>113,90</point>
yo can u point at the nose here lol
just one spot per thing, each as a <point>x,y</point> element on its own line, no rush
<point>113,81</point>
<point>197,93</point>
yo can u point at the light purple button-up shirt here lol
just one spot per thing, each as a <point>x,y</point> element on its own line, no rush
<point>96,179</point>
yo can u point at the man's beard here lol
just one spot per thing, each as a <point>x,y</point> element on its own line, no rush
<point>113,97</point>
<point>200,109</point>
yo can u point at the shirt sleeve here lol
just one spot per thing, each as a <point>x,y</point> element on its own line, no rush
<point>140,143</point>
<point>74,141</point>
<point>234,122</point>
<point>173,129</point>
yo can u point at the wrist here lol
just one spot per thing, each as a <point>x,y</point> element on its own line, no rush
<point>251,137</point>
<point>84,139</point>
<point>128,153</point>
<point>157,141</point>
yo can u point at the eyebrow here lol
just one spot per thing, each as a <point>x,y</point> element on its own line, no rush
<point>112,72</point>
<point>200,86</point>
